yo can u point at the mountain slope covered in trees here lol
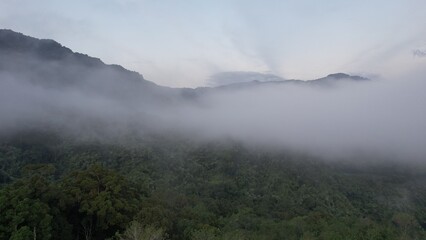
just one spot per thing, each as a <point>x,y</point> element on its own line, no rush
<point>131,182</point>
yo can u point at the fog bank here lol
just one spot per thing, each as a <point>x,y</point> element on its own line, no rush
<point>385,117</point>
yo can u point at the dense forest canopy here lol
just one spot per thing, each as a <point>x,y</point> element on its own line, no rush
<point>65,189</point>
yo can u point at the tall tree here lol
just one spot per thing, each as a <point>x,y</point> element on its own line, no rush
<point>99,201</point>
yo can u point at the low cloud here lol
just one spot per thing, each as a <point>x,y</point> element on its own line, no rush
<point>384,118</point>
<point>387,118</point>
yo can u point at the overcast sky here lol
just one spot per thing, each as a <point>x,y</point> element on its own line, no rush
<point>183,42</point>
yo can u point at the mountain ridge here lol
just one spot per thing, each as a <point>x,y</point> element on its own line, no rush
<point>19,51</point>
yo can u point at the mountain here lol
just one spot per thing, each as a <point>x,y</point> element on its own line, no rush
<point>94,151</point>
<point>237,77</point>
<point>254,80</point>
<point>47,63</point>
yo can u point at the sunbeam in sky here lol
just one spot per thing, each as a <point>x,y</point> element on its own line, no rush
<point>183,43</point>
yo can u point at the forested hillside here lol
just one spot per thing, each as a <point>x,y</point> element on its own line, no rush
<point>58,188</point>
<point>94,151</point>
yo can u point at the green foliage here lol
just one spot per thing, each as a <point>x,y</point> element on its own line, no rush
<point>59,189</point>
<point>136,231</point>
<point>23,233</point>
<point>104,200</point>
<point>26,205</point>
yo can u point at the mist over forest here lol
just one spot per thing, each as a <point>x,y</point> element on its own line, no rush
<point>51,86</point>
<point>95,151</point>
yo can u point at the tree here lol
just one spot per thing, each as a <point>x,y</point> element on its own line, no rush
<point>25,205</point>
<point>99,201</point>
<point>136,231</point>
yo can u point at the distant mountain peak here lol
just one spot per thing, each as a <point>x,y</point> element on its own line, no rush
<point>345,76</point>
<point>241,77</point>
<point>243,80</point>
<point>338,75</point>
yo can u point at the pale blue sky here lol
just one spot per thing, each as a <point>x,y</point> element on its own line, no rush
<point>183,42</point>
